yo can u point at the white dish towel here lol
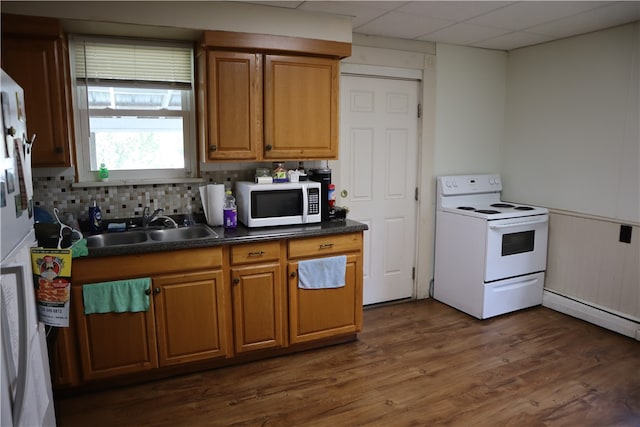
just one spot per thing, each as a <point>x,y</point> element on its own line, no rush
<point>322,273</point>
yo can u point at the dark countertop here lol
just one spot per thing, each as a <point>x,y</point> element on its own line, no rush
<point>239,235</point>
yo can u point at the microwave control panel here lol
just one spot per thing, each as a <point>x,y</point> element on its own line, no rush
<point>314,201</point>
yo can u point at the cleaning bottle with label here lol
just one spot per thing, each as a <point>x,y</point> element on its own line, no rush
<point>95,216</point>
<point>103,173</point>
<point>230,211</point>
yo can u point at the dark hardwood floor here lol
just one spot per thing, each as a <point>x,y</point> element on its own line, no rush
<point>415,364</point>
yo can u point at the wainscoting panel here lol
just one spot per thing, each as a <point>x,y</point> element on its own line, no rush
<point>588,264</point>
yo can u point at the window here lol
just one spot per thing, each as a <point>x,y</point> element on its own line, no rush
<point>134,109</point>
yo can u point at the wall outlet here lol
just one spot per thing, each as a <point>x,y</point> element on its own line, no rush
<point>625,233</point>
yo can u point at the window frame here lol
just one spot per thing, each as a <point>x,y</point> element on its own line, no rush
<point>86,173</point>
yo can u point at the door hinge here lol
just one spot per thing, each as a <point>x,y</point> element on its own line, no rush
<point>413,273</point>
<point>415,196</point>
<point>419,110</point>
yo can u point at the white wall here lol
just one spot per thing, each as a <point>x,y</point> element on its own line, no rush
<point>470,107</point>
<point>571,130</point>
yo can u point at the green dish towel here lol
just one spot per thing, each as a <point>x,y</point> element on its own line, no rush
<point>79,248</point>
<point>116,297</point>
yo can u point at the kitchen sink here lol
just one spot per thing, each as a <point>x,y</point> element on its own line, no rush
<point>116,239</point>
<point>179,234</point>
<point>150,236</point>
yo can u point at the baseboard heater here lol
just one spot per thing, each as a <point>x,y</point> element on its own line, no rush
<point>592,314</point>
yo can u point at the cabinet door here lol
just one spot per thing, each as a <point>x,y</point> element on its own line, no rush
<point>323,313</point>
<point>38,65</point>
<point>233,106</point>
<point>301,108</point>
<point>114,344</point>
<point>257,307</point>
<point>190,317</point>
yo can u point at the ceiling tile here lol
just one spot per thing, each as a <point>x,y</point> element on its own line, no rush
<point>361,12</point>
<point>522,15</point>
<point>513,40</point>
<point>463,34</point>
<point>402,25</point>
<point>453,10</point>
<point>616,13</point>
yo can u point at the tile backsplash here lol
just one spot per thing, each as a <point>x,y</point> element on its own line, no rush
<point>126,201</point>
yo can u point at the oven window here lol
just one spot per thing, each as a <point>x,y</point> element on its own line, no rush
<point>277,203</point>
<point>517,243</point>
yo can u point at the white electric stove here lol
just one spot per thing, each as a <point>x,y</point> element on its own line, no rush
<point>490,255</point>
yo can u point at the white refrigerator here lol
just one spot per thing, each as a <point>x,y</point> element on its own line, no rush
<point>25,382</point>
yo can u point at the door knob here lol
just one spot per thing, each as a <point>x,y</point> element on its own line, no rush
<point>344,193</point>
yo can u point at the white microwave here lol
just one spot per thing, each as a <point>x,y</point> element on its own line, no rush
<point>287,203</point>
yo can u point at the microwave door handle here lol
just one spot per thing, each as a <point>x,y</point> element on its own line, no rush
<point>305,204</point>
<point>516,224</point>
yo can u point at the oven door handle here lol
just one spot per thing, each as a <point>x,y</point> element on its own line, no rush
<point>517,224</point>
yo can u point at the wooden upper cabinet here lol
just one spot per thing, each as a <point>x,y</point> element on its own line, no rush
<point>233,111</point>
<point>265,97</point>
<point>301,108</point>
<point>34,54</point>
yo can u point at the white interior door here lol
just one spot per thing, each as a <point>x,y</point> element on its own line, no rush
<point>377,178</point>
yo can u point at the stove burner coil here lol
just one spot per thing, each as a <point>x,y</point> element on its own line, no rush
<point>466,208</point>
<point>501,205</point>
<point>524,208</point>
<point>487,211</point>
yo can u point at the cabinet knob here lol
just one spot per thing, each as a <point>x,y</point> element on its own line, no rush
<point>156,290</point>
<point>147,292</point>
<point>293,274</point>
<point>11,131</point>
<point>57,150</point>
<point>236,281</point>
<point>269,147</point>
<point>213,147</point>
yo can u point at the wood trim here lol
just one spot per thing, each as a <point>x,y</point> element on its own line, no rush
<point>275,44</point>
<point>31,26</point>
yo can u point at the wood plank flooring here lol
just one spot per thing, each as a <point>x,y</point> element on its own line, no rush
<point>419,363</point>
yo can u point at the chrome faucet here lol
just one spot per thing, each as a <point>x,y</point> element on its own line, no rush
<point>157,214</point>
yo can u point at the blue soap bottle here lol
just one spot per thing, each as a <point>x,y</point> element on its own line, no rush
<point>95,216</point>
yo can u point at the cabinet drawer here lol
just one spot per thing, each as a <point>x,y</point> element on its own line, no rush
<point>255,252</point>
<point>326,245</point>
<point>88,270</point>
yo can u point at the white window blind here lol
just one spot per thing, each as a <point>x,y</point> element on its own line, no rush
<point>106,61</point>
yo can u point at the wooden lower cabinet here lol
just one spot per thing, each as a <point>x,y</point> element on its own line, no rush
<point>187,319</point>
<point>113,344</point>
<point>258,293</point>
<point>206,306</point>
<point>190,317</point>
<point>316,314</point>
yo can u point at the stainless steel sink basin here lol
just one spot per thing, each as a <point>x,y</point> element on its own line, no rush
<point>116,239</point>
<point>150,236</point>
<point>180,234</point>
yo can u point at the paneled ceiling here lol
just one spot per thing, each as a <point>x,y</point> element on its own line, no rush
<point>502,25</point>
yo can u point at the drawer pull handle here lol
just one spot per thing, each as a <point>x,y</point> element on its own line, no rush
<point>256,253</point>
<point>326,246</point>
